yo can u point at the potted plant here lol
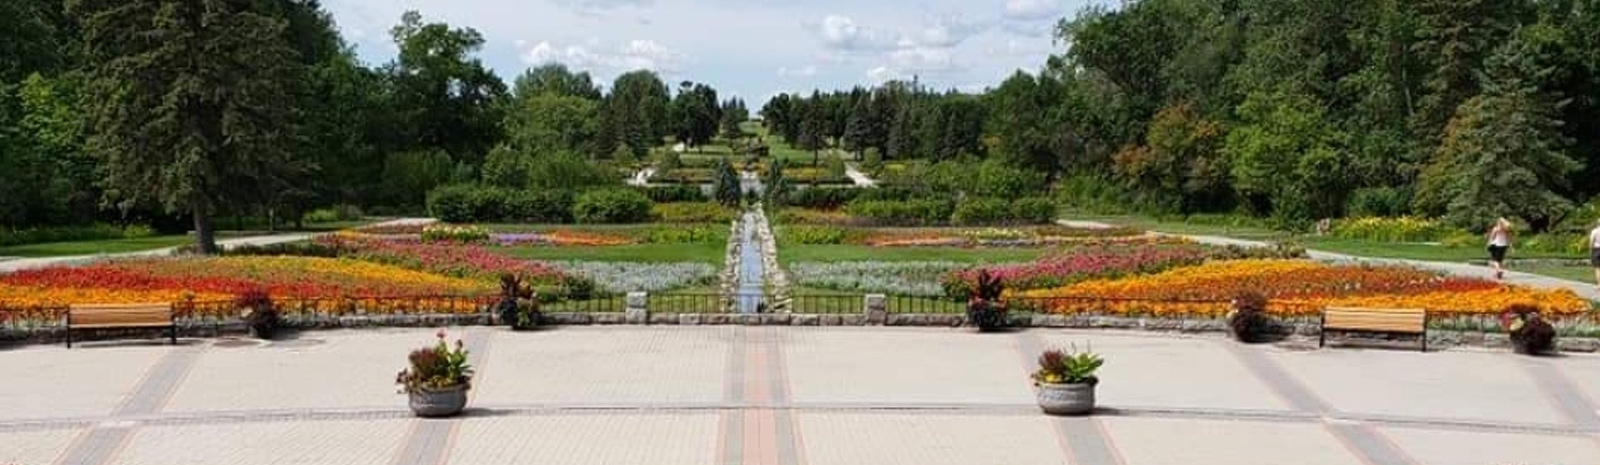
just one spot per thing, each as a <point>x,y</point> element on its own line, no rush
<point>519,305</point>
<point>984,307</point>
<point>437,380</point>
<point>1249,322</point>
<point>1530,333</point>
<point>1065,381</point>
<point>260,315</point>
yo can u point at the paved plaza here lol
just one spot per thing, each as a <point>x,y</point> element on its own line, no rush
<point>690,395</point>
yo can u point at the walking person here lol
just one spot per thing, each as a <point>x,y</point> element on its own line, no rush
<point>1594,253</point>
<point>1499,241</point>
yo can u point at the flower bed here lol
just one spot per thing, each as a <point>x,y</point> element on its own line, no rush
<point>621,277</point>
<point>1082,263</point>
<point>1296,286</point>
<point>463,261</point>
<point>220,278</point>
<point>897,278</point>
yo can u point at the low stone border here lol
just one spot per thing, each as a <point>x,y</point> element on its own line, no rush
<point>1297,333</point>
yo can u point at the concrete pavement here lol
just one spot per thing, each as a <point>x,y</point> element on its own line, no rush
<point>7,266</point>
<point>791,395</point>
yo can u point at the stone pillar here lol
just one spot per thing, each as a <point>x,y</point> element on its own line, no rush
<point>876,307</point>
<point>638,312</point>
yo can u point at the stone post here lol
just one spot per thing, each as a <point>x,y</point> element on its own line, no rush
<point>638,312</point>
<point>876,307</point>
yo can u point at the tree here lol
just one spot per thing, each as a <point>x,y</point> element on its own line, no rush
<point>547,122</point>
<point>194,120</point>
<point>696,113</point>
<point>555,79</point>
<point>1502,153</point>
<point>637,111</point>
<point>858,130</point>
<point>1180,166</point>
<point>1277,155</point>
<point>813,127</point>
<point>734,114</point>
<point>725,185</point>
<point>443,96</point>
<point>775,185</point>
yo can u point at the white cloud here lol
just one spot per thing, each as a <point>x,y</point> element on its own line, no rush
<point>884,74</point>
<point>803,71</point>
<point>590,7</point>
<point>922,59</point>
<point>1033,9</point>
<point>636,54</point>
<point>842,33</point>
<point>948,32</point>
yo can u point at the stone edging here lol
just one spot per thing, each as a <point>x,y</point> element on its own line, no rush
<point>1298,332</point>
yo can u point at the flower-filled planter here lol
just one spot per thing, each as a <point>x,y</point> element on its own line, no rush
<point>1249,322</point>
<point>1066,381</point>
<point>260,315</point>
<point>1530,334</point>
<point>985,310</point>
<point>519,303</point>
<point>437,380</point>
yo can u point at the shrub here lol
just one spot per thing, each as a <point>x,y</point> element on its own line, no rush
<point>909,212</point>
<point>1401,229</point>
<point>691,212</point>
<point>541,206</point>
<point>1249,322</point>
<point>826,198</point>
<point>457,203</point>
<point>872,160</point>
<point>981,210</point>
<point>883,193</point>
<point>296,249</point>
<point>834,167</point>
<point>611,206</point>
<point>669,194</point>
<point>320,215</point>
<point>259,312</point>
<point>812,235</point>
<point>670,161</point>
<point>1556,243</point>
<point>685,235</point>
<point>1035,210</point>
<point>568,171</point>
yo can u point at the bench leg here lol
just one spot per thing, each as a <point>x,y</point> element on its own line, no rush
<point>1424,341</point>
<point>69,337</point>
<point>173,332</point>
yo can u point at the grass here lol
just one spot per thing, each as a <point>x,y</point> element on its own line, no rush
<point>645,253</point>
<point>1413,251</point>
<point>843,253</point>
<point>1200,227</point>
<point>104,246</point>
<point>1582,274</point>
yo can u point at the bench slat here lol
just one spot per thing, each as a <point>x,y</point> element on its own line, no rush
<point>114,315</point>
<point>123,325</point>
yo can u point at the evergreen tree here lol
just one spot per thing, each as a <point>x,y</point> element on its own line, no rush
<point>775,185</point>
<point>1503,152</point>
<point>186,103</point>
<point>726,187</point>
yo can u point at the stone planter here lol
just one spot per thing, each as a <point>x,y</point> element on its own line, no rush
<point>440,403</point>
<point>1066,399</point>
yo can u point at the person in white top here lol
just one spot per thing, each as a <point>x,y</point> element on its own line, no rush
<point>1594,253</point>
<point>1499,241</point>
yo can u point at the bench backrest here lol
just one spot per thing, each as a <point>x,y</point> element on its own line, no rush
<point>1411,320</point>
<point>115,314</point>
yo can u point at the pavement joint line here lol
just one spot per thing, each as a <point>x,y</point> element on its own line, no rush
<point>785,425</point>
<point>430,440</point>
<point>105,438</point>
<point>267,416</point>
<point>731,422</point>
<point>1369,445</point>
<point>1563,395</point>
<point>1086,441</point>
<point>1278,380</point>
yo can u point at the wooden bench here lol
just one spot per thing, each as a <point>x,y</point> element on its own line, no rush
<point>120,316</point>
<point>1412,321</point>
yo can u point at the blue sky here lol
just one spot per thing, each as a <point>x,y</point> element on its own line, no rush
<point>749,48</point>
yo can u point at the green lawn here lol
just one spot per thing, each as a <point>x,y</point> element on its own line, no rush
<point>1582,274</point>
<point>1199,226</point>
<point>1431,252</point>
<point>843,253</point>
<point>646,253</point>
<point>58,249</point>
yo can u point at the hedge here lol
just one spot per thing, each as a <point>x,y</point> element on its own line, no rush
<point>905,213</point>
<point>671,194</point>
<point>612,206</point>
<point>467,203</point>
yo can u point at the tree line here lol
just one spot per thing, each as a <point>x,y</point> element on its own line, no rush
<point>173,112</point>
<point>1290,109</point>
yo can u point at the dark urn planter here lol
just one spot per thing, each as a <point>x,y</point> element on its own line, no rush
<point>512,315</point>
<point>440,403</point>
<point>263,331</point>
<point>986,317</point>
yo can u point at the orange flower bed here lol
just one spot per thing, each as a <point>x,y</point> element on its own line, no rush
<point>1300,287</point>
<point>579,238</point>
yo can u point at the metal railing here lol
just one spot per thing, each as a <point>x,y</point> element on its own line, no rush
<point>825,303</point>
<point>690,302</point>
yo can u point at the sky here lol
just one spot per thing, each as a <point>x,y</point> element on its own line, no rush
<point>749,48</point>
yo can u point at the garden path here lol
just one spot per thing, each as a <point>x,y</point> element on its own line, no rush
<point>770,395</point>
<point>41,262</point>
<point>1585,290</point>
